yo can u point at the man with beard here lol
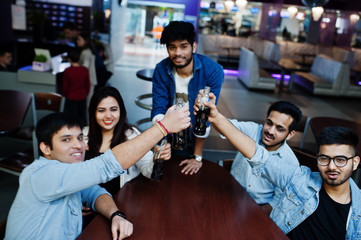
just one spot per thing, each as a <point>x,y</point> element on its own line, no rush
<point>182,75</point>
<point>314,205</point>
<point>279,126</point>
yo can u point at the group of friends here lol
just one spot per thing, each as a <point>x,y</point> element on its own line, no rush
<point>304,204</point>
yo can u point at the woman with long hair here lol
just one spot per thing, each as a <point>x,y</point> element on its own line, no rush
<point>108,127</point>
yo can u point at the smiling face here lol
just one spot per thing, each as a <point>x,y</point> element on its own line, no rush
<point>276,130</point>
<point>67,146</point>
<point>107,114</point>
<point>333,175</point>
<point>181,52</point>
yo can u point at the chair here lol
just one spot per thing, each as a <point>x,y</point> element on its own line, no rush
<point>41,101</point>
<point>14,107</point>
<point>251,75</point>
<point>147,75</point>
<point>306,159</point>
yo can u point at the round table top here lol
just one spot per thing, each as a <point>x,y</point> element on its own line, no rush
<point>208,205</point>
<point>145,74</point>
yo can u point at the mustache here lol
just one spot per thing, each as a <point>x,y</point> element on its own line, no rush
<point>269,135</point>
<point>332,172</point>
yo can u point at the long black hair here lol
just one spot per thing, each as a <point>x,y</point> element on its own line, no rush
<point>95,134</point>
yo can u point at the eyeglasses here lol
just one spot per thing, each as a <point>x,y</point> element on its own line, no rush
<point>339,161</point>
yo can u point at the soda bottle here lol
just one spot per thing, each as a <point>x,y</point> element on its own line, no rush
<point>200,125</point>
<point>157,172</point>
<point>179,139</point>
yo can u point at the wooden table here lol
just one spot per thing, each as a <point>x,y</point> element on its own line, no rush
<point>207,205</point>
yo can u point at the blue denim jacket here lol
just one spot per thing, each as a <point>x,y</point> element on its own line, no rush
<point>260,189</point>
<point>48,204</point>
<point>206,72</point>
<point>300,197</point>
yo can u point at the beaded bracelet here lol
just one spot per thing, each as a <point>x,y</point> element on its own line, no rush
<point>161,129</point>
<point>161,124</point>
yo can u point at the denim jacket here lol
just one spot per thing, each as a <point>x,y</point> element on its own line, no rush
<point>260,189</point>
<point>205,73</point>
<point>300,197</point>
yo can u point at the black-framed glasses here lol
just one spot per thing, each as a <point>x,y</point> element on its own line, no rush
<point>339,161</point>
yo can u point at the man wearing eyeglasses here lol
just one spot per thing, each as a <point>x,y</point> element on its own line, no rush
<point>318,205</point>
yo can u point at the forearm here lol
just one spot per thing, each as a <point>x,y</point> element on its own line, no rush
<point>241,141</point>
<point>199,145</point>
<point>131,151</point>
<point>105,205</point>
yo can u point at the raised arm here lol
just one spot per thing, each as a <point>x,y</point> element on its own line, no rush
<point>131,151</point>
<point>241,141</point>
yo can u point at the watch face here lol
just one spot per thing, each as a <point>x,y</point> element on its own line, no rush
<point>198,158</point>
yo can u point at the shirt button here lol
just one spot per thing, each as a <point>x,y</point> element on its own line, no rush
<point>303,212</point>
<point>291,195</point>
<point>249,185</point>
<point>289,224</point>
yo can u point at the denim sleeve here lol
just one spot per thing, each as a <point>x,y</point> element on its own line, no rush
<point>215,81</point>
<point>160,93</point>
<point>57,179</point>
<point>90,195</point>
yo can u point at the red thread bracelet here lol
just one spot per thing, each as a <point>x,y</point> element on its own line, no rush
<point>161,124</point>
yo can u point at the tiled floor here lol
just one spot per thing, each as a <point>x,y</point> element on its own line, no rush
<point>235,102</point>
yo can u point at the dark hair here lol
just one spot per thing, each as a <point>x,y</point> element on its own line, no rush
<point>74,55</point>
<point>49,125</point>
<point>95,133</point>
<point>88,41</point>
<point>289,109</point>
<point>338,135</point>
<point>178,30</point>
<point>69,25</point>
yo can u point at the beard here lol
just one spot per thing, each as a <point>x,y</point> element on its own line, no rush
<point>188,61</point>
<point>340,180</point>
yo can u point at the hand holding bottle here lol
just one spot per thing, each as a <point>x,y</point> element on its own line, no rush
<point>166,153</point>
<point>200,125</point>
<point>211,104</point>
<point>176,120</point>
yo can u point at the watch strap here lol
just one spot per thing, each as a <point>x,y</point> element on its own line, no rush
<point>118,213</point>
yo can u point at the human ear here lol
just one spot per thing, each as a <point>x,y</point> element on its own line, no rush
<point>290,135</point>
<point>45,149</point>
<point>356,162</point>
<point>194,47</point>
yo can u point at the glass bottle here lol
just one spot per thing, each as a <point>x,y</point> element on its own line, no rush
<point>200,125</point>
<point>179,139</point>
<point>157,172</point>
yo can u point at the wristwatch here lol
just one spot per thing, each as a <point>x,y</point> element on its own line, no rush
<point>118,213</point>
<point>198,158</point>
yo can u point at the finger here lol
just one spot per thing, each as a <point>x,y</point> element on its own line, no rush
<point>183,162</point>
<point>115,233</point>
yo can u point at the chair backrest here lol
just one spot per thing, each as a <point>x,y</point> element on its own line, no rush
<point>53,102</point>
<point>306,159</point>
<point>47,101</point>
<point>14,106</point>
<point>248,69</point>
<point>318,123</point>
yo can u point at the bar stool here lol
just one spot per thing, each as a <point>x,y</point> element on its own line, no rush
<point>147,75</point>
